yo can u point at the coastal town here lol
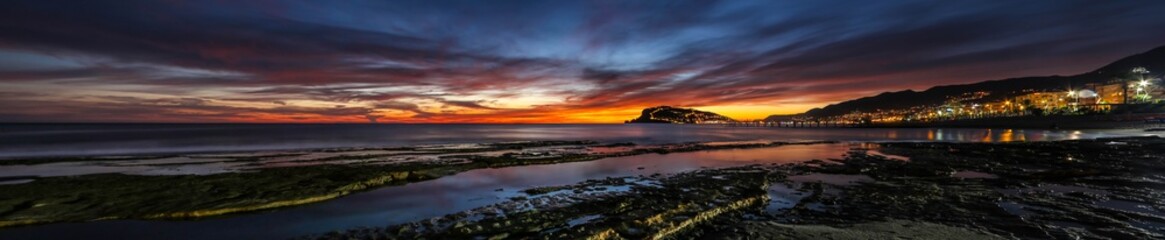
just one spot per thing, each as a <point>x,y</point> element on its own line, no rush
<point>1135,98</point>
<point>1124,95</point>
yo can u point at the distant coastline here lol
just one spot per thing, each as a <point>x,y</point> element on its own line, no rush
<point>1039,122</point>
<point>1109,121</point>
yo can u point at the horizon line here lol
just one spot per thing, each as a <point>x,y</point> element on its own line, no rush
<point>330,123</point>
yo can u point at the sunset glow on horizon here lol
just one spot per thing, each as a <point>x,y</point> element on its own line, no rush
<point>524,62</point>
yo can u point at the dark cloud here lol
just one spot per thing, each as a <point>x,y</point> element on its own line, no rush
<point>467,104</point>
<point>532,60</point>
<point>395,105</point>
<point>139,109</point>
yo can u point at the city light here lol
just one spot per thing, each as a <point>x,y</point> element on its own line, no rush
<point>1097,97</point>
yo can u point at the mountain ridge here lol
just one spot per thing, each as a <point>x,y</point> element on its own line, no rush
<point>1153,60</point>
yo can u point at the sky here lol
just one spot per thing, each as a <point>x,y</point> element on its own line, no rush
<point>527,61</point>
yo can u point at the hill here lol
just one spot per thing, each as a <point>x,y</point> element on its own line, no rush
<point>1153,60</point>
<point>667,114</point>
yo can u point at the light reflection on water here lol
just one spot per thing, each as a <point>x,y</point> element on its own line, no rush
<point>421,200</point>
<point>25,140</point>
<point>441,196</point>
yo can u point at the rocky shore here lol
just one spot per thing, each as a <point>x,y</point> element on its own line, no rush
<point>1081,189</point>
<point>195,186</point>
<point>633,207</point>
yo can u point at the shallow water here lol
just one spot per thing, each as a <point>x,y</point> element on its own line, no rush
<point>32,140</point>
<point>783,196</point>
<point>421,200</point>
<point>451,194</point>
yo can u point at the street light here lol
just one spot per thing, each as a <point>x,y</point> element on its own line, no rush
<point>1142,94</point>
<point>1075,99</point>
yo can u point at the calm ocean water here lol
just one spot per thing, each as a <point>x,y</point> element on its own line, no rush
<point>39,140</point>
<point>446,195</point>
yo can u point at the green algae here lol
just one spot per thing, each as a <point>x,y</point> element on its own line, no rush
<point>120,196</point>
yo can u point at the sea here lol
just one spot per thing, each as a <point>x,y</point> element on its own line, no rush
<point>53,140</point>
<point>424,200</point>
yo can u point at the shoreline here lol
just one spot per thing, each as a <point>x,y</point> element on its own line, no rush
<point>152,141</point>
<point>56,199</point>
<point>1131,121</point>
<point>1097,122</point>
<point>1060,190</point>
<point>809,199</point>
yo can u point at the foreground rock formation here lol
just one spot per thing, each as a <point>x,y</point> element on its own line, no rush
<point>1092,189</point>
<point>249,182</point>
